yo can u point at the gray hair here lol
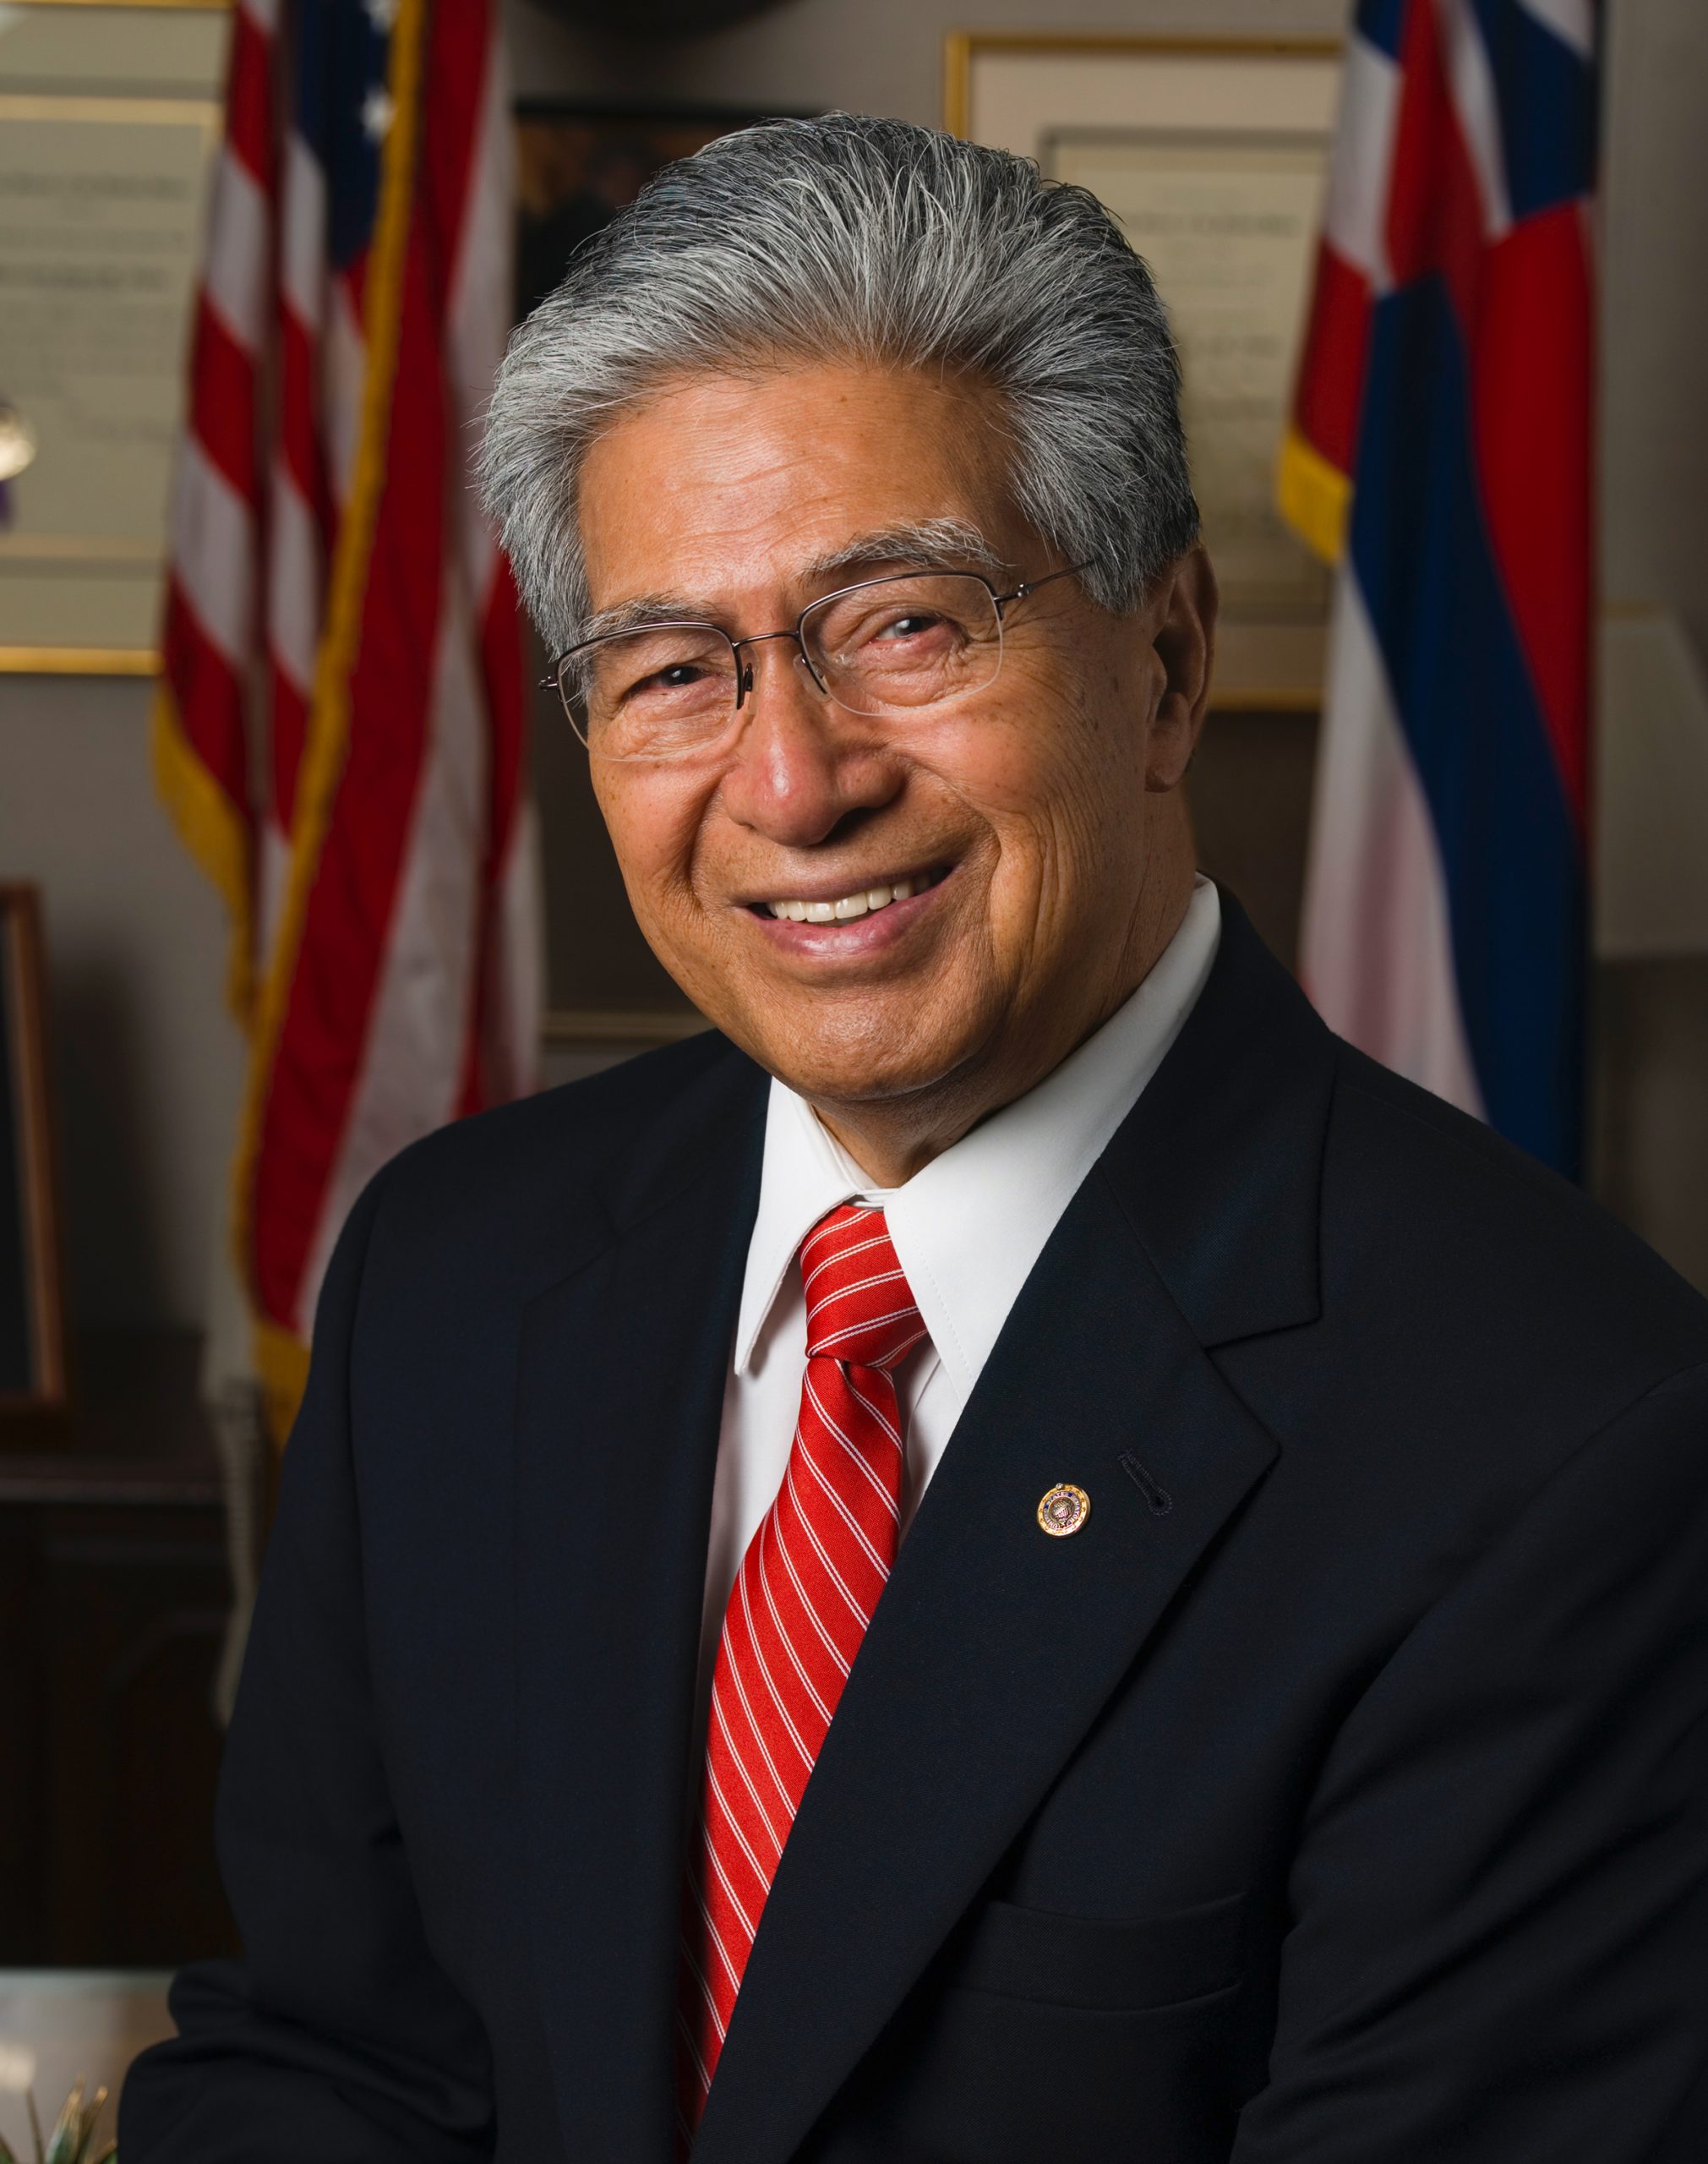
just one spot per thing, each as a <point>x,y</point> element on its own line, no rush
<point>841,239</point>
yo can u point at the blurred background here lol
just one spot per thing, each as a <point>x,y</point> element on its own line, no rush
<point>295,861</point>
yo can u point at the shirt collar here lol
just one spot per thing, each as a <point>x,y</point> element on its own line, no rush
<point>969,1227</point>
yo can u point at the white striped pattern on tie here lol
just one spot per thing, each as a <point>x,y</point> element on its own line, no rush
<point>803,1598</point>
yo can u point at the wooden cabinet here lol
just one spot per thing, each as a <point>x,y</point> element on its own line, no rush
<point>114,1588</point>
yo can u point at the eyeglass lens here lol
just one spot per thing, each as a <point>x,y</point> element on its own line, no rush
<point>889,645</point>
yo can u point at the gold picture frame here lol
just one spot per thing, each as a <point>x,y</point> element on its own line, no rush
<point>182,7</point>
<point>1213,153</point>
<point>94,102</point>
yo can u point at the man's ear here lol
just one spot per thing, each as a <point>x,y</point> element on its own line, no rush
<point>1185,641</point>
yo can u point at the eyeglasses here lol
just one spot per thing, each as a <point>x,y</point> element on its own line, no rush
<point>888,646</point>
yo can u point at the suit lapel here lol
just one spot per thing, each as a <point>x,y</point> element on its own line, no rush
<point>995,1646</point>
<point>988,1659</point>
<point>620,1385</point>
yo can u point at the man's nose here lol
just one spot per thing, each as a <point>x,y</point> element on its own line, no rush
<point>802,763</point>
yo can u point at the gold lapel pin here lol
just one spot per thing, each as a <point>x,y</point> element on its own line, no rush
<point>1064,1510</point>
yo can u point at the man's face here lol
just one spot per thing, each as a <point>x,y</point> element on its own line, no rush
<point>1019,813</point>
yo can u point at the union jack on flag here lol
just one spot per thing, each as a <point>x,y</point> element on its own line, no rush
<point>1440,454</point>
<point>339,731</point>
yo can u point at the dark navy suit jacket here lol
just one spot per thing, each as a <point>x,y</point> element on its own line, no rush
<point>1338,1793</point>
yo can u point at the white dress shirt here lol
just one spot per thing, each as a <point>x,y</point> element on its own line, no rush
<point>967,1229</point>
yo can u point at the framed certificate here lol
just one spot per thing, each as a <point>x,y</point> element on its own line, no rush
<point>109,118</point>
<point>1213,155</point>
<point>32,1335</point>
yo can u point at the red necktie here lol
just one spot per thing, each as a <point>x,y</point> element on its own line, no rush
<point>802,1600</point>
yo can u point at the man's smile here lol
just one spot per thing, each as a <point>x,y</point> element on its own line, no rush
<point>851,900</point>
<point>840,920</point>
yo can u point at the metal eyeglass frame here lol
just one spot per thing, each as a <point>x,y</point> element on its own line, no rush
<point>744,671</point>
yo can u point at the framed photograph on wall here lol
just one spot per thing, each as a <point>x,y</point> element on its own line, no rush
<point>606,993</point>
<point>1213,155</point>
<point>32,1329</point>
<point>110,117</point>
<point>578,165</point>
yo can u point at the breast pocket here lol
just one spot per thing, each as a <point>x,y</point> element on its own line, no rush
<point>1038,2037</point>
<point>1110,1965</point>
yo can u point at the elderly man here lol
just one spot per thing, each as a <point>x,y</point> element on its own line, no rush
<point>1018,1555</point>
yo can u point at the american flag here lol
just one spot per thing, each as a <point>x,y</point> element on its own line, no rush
<point>338,729</point>
<point>1441,453</point>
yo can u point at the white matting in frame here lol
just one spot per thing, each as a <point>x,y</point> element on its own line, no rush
<point>109,118</point>
<point>1214,154</point>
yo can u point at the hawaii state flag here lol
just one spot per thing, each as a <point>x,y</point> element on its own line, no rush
<point>1440,455</point>
<point>339,732</point>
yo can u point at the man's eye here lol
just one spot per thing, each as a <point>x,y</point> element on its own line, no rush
<point>908,627</point>
<point>675,676</point>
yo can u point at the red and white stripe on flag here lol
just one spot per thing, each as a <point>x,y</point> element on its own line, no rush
<point>339,731</point>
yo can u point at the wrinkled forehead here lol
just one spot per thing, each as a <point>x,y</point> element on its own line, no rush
<point>717,486</point>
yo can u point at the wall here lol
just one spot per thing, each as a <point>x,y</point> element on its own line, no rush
<point>1654,311</point>
<point>864,56</point>
<point>1651,997</point>
<point>147,1062</point>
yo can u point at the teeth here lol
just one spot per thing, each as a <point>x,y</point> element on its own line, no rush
<point>850,905</point>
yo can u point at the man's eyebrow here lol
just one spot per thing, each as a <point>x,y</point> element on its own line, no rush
<point>933,544</point>
<point>645,609</point>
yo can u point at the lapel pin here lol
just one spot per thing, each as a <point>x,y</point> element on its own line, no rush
<point>1064,1510</point>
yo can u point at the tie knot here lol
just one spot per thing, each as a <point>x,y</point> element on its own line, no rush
<point>859,1309</point>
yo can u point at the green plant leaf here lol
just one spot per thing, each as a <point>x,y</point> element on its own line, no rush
<point>64,2141</point>
<point>88,2120</point>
